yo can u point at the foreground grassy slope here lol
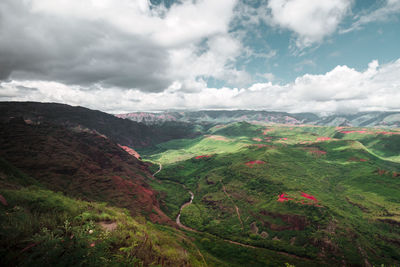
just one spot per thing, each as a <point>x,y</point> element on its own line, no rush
<point>313,192</point>
<point>40,227</point>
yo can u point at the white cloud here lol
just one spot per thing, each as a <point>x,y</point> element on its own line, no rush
<point>383,13</point>
<point>129,44</point>
<point>310,20</point>
<point>375,88</point>
<point>182,23</point>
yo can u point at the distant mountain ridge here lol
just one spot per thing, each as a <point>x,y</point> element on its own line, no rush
<point>363,119</point>
<point>124,132</point>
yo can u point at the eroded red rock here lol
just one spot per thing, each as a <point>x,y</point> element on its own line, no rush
<point>130,151</point>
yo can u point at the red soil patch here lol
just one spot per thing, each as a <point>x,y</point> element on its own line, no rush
<point>285,138</point>
<point>251,163</point>
<point>283,197</point>
<point>268,137</point>
<point>308,196</point>
<point>323,138</point>
<point>257,139</point>
<point>202,156</point>
<point>130,151</point>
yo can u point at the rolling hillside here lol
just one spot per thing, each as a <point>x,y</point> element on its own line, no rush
<point>264,194</point>
<point>326,194</point>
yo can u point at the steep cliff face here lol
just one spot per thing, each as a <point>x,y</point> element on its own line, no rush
<point>80,164</point>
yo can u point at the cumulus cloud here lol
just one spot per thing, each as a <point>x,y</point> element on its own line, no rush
<point>310,20</point>
<point>133,55</point>
<point>375,88</point>
<point>129,44</point>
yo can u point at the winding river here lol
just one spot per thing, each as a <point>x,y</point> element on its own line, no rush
<point>178,222</point>
<point>178,218</point>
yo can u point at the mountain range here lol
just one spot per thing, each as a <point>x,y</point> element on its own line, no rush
<point>367,119</point>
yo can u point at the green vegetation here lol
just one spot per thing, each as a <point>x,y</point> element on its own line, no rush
<point>264,195</point>
<point>39,227</point>
<point>351,179</point>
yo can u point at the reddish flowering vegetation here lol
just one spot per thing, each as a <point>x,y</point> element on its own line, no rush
<point>257,139</point>
<point>323,138</point>
<point>202,156</point>
<point>357,159</point>
<point>252,163</point>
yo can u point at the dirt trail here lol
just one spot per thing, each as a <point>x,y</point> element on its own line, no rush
<point>236,207</point>
<point>182,226</point>
<point>154,174</point>
<point>178,218</point>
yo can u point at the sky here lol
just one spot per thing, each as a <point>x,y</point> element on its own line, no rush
<point>322,56</point>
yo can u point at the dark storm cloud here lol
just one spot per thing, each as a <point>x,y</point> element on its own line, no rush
<point>76,51</point>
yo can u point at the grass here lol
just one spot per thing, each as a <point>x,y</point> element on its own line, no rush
<point>358,202</point>
<point>41,227</point>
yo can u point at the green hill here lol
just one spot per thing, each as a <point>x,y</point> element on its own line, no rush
<point>327,198</point>
<point>264,195</point>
